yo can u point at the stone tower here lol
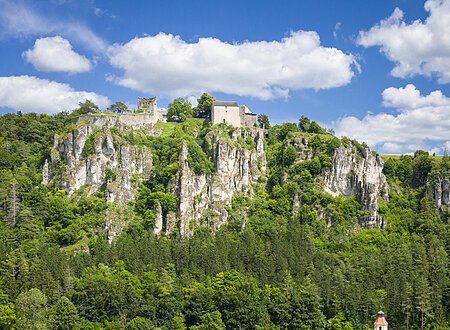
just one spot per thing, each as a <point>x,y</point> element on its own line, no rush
<point>380,322</point>
<point>147,105</point>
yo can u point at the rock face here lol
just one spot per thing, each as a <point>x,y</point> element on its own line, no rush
<point>203,198</point>
<point>358,174</point>
<point>442,192</point>
<point>94,157</point>
<point>110,164</point>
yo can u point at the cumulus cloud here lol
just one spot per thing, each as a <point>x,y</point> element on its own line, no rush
<point>447,146</point>
<point>56,54</point>
<point>19,20</point>
<point>167,65</point>
<point>418,48</point>
<point>419,122</point>
<point>31,94</point>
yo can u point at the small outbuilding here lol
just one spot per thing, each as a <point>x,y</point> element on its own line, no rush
<point>380,322</point>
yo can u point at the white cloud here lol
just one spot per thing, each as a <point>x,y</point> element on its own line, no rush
<point>409,98</point>
<point>419,122</point>
<point>99,11</point>
<point>447,146</point>
<point>56,54</point>
<point>418,48</point>
<point>31,94</point>
<point>19,20</point>
<point>165,64</point>
<point>337,27</point>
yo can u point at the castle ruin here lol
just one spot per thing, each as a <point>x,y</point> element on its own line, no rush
<point>147,112</point>
<point>147,105</point>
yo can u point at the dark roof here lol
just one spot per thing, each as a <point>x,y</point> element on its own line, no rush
<point>225,103</point>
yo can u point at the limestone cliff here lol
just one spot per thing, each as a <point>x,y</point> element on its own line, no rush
<point>95,156</point>
<point>91,158</point>
<point>358,173</point>
<point>203,198</point>
<point>441,191</point>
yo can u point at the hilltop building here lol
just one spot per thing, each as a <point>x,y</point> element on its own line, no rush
<point>232,114</point>
<point>147,112</point>
<point>380,322</point>
<point>147,105</point>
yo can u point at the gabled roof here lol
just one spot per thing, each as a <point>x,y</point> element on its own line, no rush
<point>225,103</point>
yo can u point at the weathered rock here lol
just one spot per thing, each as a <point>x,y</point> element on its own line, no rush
<point>95,158</point>
<point>112,164</point>
<point>360,175</point>
<point>206,195</point>
<point>45,173</point>
<point>442,191</point>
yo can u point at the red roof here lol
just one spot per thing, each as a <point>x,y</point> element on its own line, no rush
<point>380,321</point>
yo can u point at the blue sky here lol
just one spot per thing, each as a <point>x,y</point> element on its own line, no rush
<point>377,71</point>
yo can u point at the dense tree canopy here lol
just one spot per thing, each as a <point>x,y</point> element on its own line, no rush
<point>291,257</point>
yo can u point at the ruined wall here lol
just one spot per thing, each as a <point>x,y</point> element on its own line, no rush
<point>136,121</point>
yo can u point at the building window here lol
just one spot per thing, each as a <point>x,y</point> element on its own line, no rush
<point>380,328</point>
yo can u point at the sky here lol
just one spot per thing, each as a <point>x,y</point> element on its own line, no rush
<point>376,71</point>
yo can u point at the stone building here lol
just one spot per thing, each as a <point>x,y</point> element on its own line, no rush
<point>380,322</point>
<point>147,105</point>
<point>232,114</point>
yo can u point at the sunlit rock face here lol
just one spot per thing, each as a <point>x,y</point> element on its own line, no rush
<point>358,174</point>
<point>236,168</point>
<point>441,188</point>
<point>109,163</point>
<point>94,157</point>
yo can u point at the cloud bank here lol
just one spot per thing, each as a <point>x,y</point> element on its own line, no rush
<point>56,54</point>
<point>167,65</point>
<point>419,48</point>
<point>19,20</point>
<point>419,122</point>
<point>31,94</point>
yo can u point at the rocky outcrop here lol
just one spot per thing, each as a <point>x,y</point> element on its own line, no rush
<point>358,174</point>
<point>94,159</point>
<point>441,189</point>
<point>95,156</point>
<point>203,198</point>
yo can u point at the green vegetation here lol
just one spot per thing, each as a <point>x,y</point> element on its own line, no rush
<point>203,108</point>
<point>263,121</point>
<point>179,110</point>
<point>88,148</point>
<point>291,257</point>
<point>118,107</point>
<point>85,108</point>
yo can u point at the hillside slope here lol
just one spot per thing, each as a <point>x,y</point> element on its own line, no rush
<point>189,225</point>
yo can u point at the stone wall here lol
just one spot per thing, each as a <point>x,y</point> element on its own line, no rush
<point>229,114</point>
<point>232,114</point>
<point>135,121</point>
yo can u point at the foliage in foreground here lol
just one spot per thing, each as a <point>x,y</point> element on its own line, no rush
<point>269,268</point>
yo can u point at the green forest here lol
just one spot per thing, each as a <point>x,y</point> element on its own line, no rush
<point>268,268</point>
